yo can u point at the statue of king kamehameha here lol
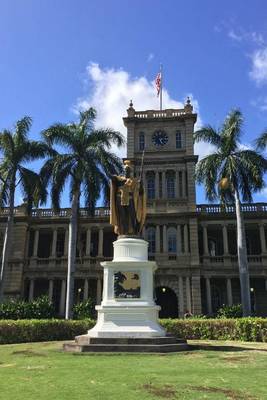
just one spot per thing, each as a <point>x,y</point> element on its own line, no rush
<point>127,203</point>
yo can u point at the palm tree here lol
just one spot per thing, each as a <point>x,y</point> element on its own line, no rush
<point>16,150</point>
<point>261,141</point>
<point>231,173</point>
<point>86,165</point>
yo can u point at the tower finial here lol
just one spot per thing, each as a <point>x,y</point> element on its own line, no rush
<point>131,110</point>
<point>188,106</point>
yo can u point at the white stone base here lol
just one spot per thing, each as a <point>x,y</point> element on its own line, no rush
<point>128,317</point>
<point>127,322</point>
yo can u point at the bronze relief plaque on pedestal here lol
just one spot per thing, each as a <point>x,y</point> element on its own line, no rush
<point>126,285</point>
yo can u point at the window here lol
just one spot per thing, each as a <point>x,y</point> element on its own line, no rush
<point>150,186</point>
<point>151,238</point>
<point>141,141</point>
<point>60,243</point>
<point>170,185</point>
<point>178,140</point>
<point>172,240</point>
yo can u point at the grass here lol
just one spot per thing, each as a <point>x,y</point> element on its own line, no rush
<point>218,370</point>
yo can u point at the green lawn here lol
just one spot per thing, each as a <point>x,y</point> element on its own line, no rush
<point>40,371</point>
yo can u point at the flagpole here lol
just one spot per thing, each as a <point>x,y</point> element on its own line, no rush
<point>160,93</point>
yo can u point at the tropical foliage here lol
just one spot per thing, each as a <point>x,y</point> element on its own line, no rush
<point>232,173</point>
<point>16,150</point>
<point>85,163</point>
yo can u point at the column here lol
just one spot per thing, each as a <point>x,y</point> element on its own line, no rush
<point>184,183</point>
<point>85,290</point>
<point>188,295</point>
<point>229,292</point>
<point>98,291</point>
<point>179,240</point>
<point>62,303</point>
<point>163,182</point>
<point>208,296</point>
<point>186,239</point>
<point>88,242</point>
<point>100,242</point>
<point>66,242</point>
<point>176,187</point>
<point>157,239</point>
<point>205,241</point>
<point>54,243</point>
<point>144,232</point>
<point>165,244</point>
<point>262,238</point>
<point>157,184</point>
<point>36,242</point>
<point>50,289</point>
<point>225,240</point>
<point>179,195</point>
<point>31,290</point>
<point>181,297</point>
<point>196,295</point>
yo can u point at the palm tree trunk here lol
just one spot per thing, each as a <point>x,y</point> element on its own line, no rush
<point>73,226</point>
<point>7,240</point>
<point>242,259</point>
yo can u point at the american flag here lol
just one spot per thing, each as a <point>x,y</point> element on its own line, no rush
<point>158,83</point>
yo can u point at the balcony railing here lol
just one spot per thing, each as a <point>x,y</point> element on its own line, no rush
<point>232,259</point>
<point>217,208</point>
<point>159,114</point>
<point>100,212</point>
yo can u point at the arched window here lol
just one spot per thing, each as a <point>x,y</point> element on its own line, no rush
<point>172,241</point>
<point>151,238</point>
<point>178,140</point>
<point>150,185</point>
<point>170,182</point>
<point>141,141</point>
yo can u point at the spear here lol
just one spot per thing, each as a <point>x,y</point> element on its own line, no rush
<point>142,166</point>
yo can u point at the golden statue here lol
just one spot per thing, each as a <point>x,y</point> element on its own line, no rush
<point>127,203</point>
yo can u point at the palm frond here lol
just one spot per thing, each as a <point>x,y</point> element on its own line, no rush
<point>21,130</point>
<point>207,134</point>
<point>261,141</point>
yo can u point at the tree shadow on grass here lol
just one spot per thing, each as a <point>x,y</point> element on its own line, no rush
<point>225,348</point>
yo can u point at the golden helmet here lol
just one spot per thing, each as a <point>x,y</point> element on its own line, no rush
<point>127,163</point>
<point>224,184</point>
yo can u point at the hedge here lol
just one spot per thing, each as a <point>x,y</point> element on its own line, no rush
<point>243,329</point>
<point>41,330</point>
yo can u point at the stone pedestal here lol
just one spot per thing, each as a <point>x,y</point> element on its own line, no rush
<point>128,308</point>
<point>128,316</point>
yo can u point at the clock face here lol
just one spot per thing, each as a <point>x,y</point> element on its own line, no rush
<point>160,138</point>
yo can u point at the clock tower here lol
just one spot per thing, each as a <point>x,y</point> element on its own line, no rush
<point>166,137</point>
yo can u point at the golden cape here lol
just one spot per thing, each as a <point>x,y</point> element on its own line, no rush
<point>131,185</point>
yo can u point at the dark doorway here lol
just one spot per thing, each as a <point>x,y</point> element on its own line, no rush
<point>167,300</point>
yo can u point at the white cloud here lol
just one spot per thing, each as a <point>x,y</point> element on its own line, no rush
<point>259,66</point>
<point>235,36</point>
<point>260,103</point>
<point>110,91</point>
<point>241,35</point>
<point>150,57</point>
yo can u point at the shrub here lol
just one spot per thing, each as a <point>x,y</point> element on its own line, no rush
<point>41,308</point>
<point>244,329</point>
<point>234,311</point>
<point>24,331</point>
<point>85,309</point>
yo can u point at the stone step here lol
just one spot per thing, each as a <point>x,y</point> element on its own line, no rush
<point>86,340</point>
<point>125,348</point>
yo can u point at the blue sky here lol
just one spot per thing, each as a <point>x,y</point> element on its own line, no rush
<point>59,55</point>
